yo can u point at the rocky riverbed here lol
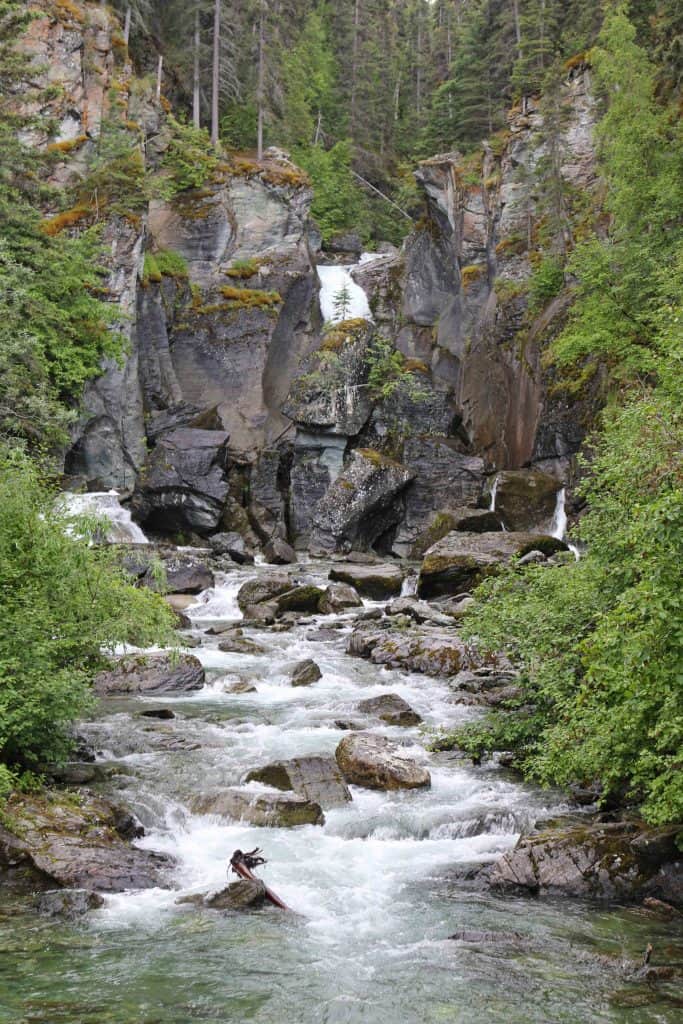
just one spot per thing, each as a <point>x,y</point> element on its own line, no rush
<point>306,732</point>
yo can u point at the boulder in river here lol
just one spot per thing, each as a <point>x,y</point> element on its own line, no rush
<point>315,778</point>
<point>525,498</point>
<point>78,846</point>
<point>240,645</point>
<point>418,610</point>
<point>337,598</point>
<point>234,545</point>
<point>67,903</point>
<point>243,895</point>
<point>305,673</point>
<point>261,808</point>
<point>374,581</point>
<point>262,589</point>
<point>183,574</point>
<point>391,708</point>
<point>470,520</point>
<point>149,674</point>
<point>278,552</point>
<point>460,561</point>
<point>624,860</point>
<point>376,763</point>
<point>299,599</point>
<point>434,653</point>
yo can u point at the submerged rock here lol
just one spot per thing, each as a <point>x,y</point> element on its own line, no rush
<point>305,673</point>
<point>242,895</point>
<point>151,673</point>
<point>391,708</point>
<point>376,763</point>
<point>269,809</point>
<point>605,860</point>
<point>68,903</point>
<point>315,778</point>
<point>374,581</point>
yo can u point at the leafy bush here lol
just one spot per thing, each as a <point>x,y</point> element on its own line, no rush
<point>338,204</point>
<point>64,604</point>
<point>547,282</point>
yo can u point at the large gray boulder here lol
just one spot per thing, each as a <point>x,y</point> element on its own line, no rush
<point>148,674</point>
<point>360,506</point>
<point>243,895</point>
<point>234,545</point>
<point>374,581</point>
<point>183,574</point>
<point>376,763</point>
<point>390,708</point>
<point>261,590</point>
<point>318,779</point>
<point>305,673</point>
<point>434,653</point>
<point>183,484</point>
<point>338,597</point>
<point>273,810</point>
<point>464,520</point>
<point>461,560</point>
<point>526,498</point>
<point>605,860</point>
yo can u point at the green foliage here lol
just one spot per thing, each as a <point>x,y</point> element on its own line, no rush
<point>389,372</point>
<point>115,180</point>
<point>164,263</point>
<point>64,603</point>
<point>338,205</point>
<point>342,303</point>
<point>189,161</point>
<point>600,642</point>
<point>546,282</point>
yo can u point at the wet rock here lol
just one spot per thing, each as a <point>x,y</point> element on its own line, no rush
<point>268,809</point>
<point>418,610</point>
<point>344,244</point>
<point>305,673</point>
<point>348,725</point>
<point>337,598</point>
<point>162,713</point>
<point>182,575</point>
<point>240,645</point>
<point>391,708</point>
<point>68,903</point>
<point>318,779</point>
<point>434,654</point>
<point>461,560</point>
<point>370,615</point>
<point>278,552</point>
<point>234,545</point>
<point>617,860</point>
<point>242,895</point>
<point>471,935</point>
<point>376,763</point>
<point>78,846</point>
<point>299,599</point>
<point>242,686</point>
<point>525,498</point>
<point>324,634</point>
<point>470,520</point>
<point>532,558</point>
<point>262,589</point>
<point>151,673</point>
<point>361,504</point>
<point>179,602</point>
<point>374,581</point>
<point>260,614</point>
<point>183,484</point>
<point>74,773</point>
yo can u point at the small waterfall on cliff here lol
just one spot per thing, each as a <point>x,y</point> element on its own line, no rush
<point>332,280</point>
<point>409,586</point>
<point>558,526</point>
<point>105,505</point>
<point>492,502</point>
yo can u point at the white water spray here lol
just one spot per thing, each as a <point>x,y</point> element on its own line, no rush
<point>494,489</point>
<point>334,279</point>
<point>558,526</point>
<point>105,505</point>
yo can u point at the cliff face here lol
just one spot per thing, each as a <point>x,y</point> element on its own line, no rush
<point>272,426</point>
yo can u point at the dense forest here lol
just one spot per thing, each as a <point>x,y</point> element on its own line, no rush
<point>358,91</point>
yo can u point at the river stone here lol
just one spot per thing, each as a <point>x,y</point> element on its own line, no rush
<point>182,575</point>
<point>234,545</point>
<point>471,520</point>
<point>305,673</point>
<point>315,778</point>
<point>418,610</point>
<point>461,560</point>
<point>269,809</point>
<point>391,708</point>
<point>242,895</point>
<point>376,763</point>
<point>526,498</point>
<point>439,654</point>
<point>260,614</point>
<point>299,599</point>
<point>68,903</point>
<point>605,860</point>
<point>374,581</point>
<point>338,597</point>
<point>261,590</point>
<point>278,552</point>
<point>487,938</point>
<point>242,686</point>
<point>77,846</point>
<point>162,713</point>
<point>240,645</point>
<point>179,602</point>
<point>151,673</point>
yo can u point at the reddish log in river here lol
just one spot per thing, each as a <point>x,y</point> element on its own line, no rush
<point>242,864</point>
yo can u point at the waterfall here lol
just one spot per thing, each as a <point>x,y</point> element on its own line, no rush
<point>494,489</point>
<point>332,280</point>
<point>558,526</point>
<point>409,586</point>
<point>105,505</point>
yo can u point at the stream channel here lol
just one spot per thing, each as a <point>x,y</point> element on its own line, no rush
<point>377,890</point>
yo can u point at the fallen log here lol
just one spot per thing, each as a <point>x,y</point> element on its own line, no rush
<point>242,864</point>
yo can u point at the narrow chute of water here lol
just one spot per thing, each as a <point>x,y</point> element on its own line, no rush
<point>105,505</point>
<point>333,280</point>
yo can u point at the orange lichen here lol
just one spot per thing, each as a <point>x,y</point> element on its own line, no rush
<point>253,298</point>
<point>69,11</point>
<point>67,145</point>
<point>69,218</point>
<point>415,366</point>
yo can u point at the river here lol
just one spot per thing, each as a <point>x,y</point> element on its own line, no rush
<point>377,890</point>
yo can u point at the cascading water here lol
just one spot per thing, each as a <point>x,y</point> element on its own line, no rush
<point>106,506</point>
<point>492,499</point>
<point>376,891</point>
<point>558,526</point>
<point>335,279</point>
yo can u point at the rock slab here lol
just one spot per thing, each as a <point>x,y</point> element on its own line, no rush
<point>375,763</point>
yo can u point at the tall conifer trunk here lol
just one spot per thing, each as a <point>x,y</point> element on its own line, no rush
<point>260,91</point>
<point>216,72</point>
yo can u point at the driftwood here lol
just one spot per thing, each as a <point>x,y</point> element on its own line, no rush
<point>242,864</point>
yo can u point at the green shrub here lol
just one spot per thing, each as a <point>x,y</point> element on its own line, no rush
<point>547,282</point>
